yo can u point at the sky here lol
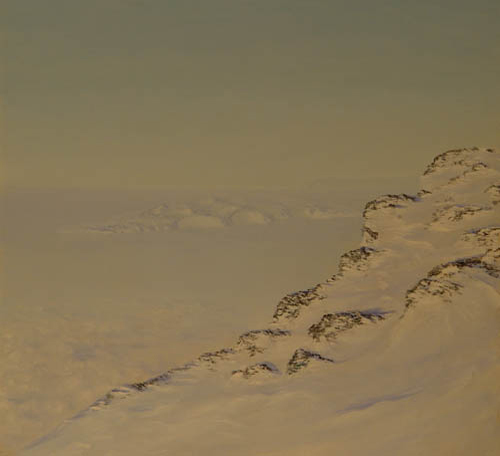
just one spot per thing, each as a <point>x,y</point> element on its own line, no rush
<point>244,93</point>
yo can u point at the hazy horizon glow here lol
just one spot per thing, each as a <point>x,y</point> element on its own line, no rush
<point>131,93</point>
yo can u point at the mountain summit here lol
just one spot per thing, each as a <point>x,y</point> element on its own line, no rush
<point>397,353</point>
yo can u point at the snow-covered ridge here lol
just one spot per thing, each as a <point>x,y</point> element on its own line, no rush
<point>210,213</point>
<point>409,315</point>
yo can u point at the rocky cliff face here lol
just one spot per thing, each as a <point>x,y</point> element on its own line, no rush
<point>427,273</point>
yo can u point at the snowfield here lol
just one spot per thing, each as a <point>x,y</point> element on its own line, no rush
<point>87,311</point>
<point>395,354</point>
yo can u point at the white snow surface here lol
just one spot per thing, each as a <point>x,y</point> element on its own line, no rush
<point>397,353</point>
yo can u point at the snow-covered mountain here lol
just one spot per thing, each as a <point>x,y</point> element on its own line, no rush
<point>397,353</point>
<point>211,212</point>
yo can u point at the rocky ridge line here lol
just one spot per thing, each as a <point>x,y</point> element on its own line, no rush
<point>442,282</point>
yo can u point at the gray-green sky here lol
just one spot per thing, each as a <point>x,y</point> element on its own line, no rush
<point>243,92</point>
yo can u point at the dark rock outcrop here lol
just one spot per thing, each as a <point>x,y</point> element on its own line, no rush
<point>291,305</point>
<point>455,213</point>
<point>438,281</point>
<point>357,259</point>
<point>450,158</point>
<point>302,358</point>
<point>431,287</point>
<point>212,358</point>
<point>332,324</point>
<point>256,369</point>
<point>388,202</point>
<point>477,262</point>
<point>258,340</point>
<point>478,166</point>
<point>369,235</point>
<point>487,237</point>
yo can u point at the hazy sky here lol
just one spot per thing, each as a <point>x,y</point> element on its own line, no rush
<point>243,92</point>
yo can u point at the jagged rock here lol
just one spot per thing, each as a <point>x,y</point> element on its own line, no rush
<point>291,304</point>
<point>160,379</point>
<point>451,268</point>
<point>438,283</point>
<point>369,235</point>
<point>478,166</point>
<point>429,287</point>
<point>388,201</point>
<point>452,157</point>
<point>126,390</point>
<point>212,358</point>
<point>487,237</point>
<point>256,369</point>
<point>301,359</point>
<point>333,278</point>
<point>356,260</point>
<point>455,213</point>
<point>258,340</point>
<point>332,324</point>
<point>141,386</point>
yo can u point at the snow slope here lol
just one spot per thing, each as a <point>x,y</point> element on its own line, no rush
<point>87,312</point>
<point>398,353</point>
